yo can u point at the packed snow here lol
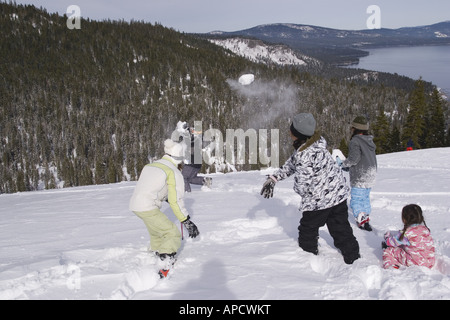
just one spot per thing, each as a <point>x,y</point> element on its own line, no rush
<point>84,243</point>
<point>246,79</point>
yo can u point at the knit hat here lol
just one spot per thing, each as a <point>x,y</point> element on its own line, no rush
<point>174,149</point>
<point>360,123</point>
<point>303,125</point>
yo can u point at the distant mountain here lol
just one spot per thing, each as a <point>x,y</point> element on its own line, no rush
<point>342,46</point>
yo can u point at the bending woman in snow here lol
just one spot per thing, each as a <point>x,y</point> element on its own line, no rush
<point>162,181</point>
<point>322,187</point>
<point>411,246</point>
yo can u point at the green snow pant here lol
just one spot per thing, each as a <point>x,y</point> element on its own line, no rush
<point>164,234</point>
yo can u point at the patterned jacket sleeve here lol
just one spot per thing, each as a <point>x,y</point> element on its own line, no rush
<point>392,239</point>
<point>286,170</point>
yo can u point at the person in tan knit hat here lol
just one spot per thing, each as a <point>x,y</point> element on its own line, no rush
<point>362,166</point>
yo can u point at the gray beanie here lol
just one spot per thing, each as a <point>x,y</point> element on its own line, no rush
<point>304,123</point>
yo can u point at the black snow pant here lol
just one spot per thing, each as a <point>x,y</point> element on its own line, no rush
<point>336,219</point>
<point>190,176</point>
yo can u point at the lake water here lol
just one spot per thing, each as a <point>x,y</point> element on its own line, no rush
<point>432,63</point>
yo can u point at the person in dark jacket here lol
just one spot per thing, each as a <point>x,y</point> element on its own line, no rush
<point>322,187</point>
<point>362,165</point>
<point>192,168</point>
<point>410,145</point>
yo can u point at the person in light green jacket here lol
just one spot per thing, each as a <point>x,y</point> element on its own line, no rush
<point>162,181</point>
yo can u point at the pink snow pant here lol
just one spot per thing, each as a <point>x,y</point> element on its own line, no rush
<point>397,256</point>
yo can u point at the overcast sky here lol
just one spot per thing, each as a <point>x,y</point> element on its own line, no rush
<point>232,15</point>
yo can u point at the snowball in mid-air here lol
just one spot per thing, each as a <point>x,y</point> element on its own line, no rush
<point>246,79</point>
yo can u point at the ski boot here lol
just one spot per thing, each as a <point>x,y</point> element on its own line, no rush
<point>363,221</point>
<point>166,262</point>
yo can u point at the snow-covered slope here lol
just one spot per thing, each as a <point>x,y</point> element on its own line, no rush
<point>258,51</point>
<point>84,243</point>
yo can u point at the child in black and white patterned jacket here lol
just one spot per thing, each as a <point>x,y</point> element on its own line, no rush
<point>322,187</point>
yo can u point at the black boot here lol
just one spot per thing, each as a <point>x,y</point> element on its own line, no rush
<point>351,259</point>
<point>366,226</point>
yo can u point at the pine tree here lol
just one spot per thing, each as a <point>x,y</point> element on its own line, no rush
<point>20,181</point>
<point>447,139</point>
<point>436,122</point>
<point>381,133</point>
<point>395,143</point>
<point>100,172</point>
<point>414,127</point>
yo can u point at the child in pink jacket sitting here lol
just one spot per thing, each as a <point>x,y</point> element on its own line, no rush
<point>411,246</point>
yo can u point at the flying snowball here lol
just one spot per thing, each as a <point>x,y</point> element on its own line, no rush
<point>246,79</point>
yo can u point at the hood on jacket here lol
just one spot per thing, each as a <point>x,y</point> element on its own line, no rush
<point>367,140</point>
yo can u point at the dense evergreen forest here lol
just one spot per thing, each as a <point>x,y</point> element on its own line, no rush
<point>94,105</point>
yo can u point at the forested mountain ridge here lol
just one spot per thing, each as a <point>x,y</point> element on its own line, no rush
<point>342,46</point>
<point>94,105</point>
<point>87,102</point>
